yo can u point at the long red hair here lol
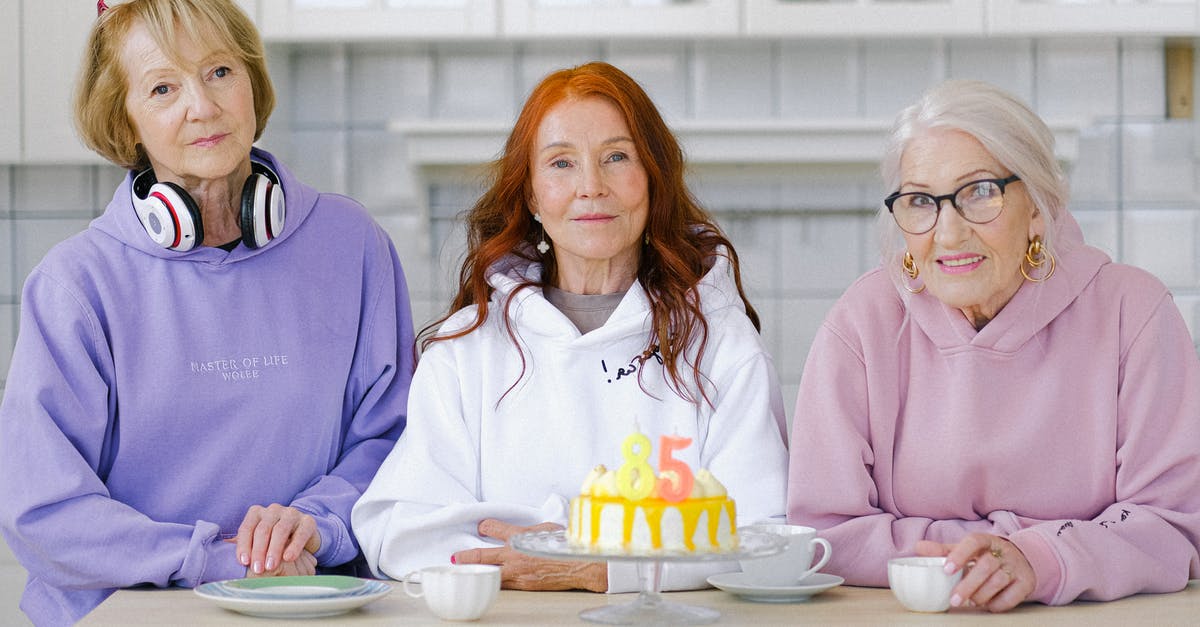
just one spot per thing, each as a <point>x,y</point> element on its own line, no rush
<point>683,239</point>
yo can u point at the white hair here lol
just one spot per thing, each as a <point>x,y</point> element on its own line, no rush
<point>1006,127</point>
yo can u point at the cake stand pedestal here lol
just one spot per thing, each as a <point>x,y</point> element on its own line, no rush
<point>649,607</point>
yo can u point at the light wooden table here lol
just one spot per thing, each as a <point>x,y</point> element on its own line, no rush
<point>844,605</point>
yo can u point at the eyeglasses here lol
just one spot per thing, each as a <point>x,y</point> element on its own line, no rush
<point>978,202</point>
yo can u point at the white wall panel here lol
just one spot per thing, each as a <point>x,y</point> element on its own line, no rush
<point>474,82</point>
<point>53,189</point>
<point>36,236</point>
<point>390,83</point>
<point>733,80</point>
<point>1158,162</point>
<point>539,58</point>
<point>897,72</point>
<point>1077,77</point>
<point>319,77</point>
<point>820,79</point>
<point>1006,63</point>
<point>1101,228</point>
<point>1164,242</point>
<point>662,70</point>
<point>1095,173</point>
<point>1143,78</point>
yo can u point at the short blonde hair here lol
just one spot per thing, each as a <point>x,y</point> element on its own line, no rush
<point>100,115</point>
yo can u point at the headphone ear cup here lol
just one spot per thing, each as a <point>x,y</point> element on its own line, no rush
<point>263,211</point>
<point>170,217</point>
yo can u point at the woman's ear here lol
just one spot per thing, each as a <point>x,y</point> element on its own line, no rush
<point>1037,224</point>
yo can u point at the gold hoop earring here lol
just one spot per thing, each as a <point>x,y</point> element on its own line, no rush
<point>909,266</point>
<point>1036,256</point>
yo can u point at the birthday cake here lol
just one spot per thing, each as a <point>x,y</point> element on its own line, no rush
<point>634,512</point>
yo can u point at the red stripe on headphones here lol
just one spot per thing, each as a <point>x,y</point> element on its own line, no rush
<point>270,227</point>
<point>174,218</point>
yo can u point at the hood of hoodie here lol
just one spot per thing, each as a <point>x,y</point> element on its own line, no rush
<point>1031,309</point>
<point>120,220</point>
<point>533,314</point>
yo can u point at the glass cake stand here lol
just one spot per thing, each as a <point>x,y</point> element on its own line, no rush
<point>649,606</point>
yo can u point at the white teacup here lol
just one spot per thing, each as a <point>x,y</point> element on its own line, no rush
<point>793,564</point>
<point>458,591</point>
<point>921,583</point>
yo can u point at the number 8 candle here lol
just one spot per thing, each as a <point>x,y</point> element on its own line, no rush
<point>635,478</point>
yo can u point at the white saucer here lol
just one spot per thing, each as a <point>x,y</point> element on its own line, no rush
<point>736,583</point>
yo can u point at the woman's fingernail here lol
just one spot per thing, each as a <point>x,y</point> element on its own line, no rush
<point>270,563</point>
<point>452,560</point>
<point>955,601</point>
<point>244,558</point>
<point>950,567</point>
<point>257,568</point>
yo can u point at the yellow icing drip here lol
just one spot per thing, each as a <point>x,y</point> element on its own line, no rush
<point>654,508</point>
<point>653,520</point>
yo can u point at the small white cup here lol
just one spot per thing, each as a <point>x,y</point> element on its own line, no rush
<point>457,591</point>
<point>921,584</point>
<point>791,566</point>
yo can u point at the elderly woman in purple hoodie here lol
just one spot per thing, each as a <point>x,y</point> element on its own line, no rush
<point>208,376</point>
<point>997,391</point>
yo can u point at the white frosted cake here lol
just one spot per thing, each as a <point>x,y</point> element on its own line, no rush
<point>603,520</point>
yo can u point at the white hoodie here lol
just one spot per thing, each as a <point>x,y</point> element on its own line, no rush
<point>472,451</point>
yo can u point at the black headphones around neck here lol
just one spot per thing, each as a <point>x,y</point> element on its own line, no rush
<point>172,219</point>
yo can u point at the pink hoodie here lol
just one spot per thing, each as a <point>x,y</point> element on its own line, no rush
<point>1070,424</point>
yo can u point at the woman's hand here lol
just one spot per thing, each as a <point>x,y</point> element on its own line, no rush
<point>306,564</point>
<point>275,535</point>
<point>997,576</point>
<point>522,572</point>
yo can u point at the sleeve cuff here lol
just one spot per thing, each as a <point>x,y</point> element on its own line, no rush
<point>1044,561</point>
<point>622,577</point>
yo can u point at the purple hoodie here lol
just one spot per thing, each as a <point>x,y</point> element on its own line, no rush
<point>155,395</point>
<point>1070,424</point>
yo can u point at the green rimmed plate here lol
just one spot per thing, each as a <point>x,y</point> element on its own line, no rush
<point>294,597</point>
<point>299,587</point>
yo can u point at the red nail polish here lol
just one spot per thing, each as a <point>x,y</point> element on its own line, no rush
<point>452,560</point>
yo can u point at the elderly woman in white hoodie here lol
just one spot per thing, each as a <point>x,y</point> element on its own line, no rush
<point>595,295</point>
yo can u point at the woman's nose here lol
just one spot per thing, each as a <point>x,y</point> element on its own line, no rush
<point>591,184</point>
<point>951,228</point>
<point>201,104</point>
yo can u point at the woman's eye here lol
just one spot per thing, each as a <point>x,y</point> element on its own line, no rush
<point>920,201</point>
<point>221,72</point>
<point>986,190</point>
<point>161,90</point>
<point>618,156</point>
<point>560,163</point>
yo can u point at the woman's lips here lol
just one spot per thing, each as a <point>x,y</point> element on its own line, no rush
<point>593,218</point>
<point>211,140</point>
<point>959,264</point>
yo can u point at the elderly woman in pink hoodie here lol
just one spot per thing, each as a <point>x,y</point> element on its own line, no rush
<point>998,392</point>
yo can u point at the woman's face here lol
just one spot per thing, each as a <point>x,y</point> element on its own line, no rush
<point>589,189</point>
<point>195,117</point>
<point>973,267</point>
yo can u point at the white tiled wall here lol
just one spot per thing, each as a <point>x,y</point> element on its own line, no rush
<point>1079,78</point>
<point>819,79</point>
<point>1134,181</point>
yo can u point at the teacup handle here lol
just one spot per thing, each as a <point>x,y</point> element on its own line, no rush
<point>408,591</point>
<point>824,557</point>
